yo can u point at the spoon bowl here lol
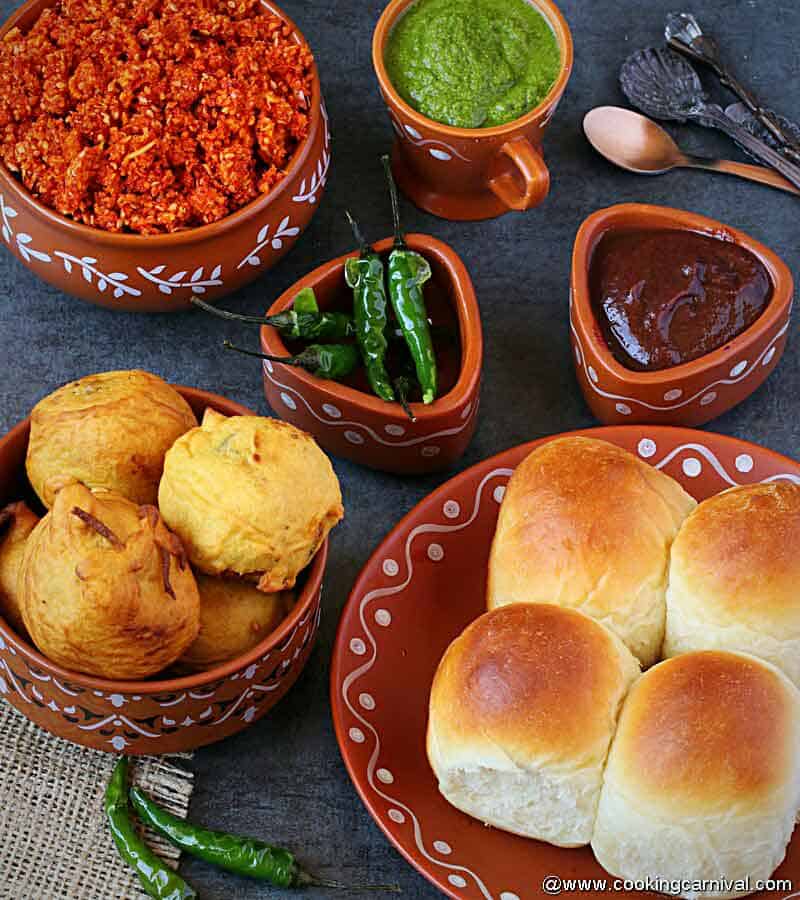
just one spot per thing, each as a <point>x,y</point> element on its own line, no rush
<point>630,140</point>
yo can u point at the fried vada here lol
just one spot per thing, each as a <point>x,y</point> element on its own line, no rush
<point>249,496</point>
<point>105,588</point>
<point>17,521</point>
<point>234,617</point>
<point>109,431</point>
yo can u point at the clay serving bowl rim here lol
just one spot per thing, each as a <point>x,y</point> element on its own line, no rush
<point>469,323</point>
<point>554,17</point>
<point>302,606</point>
<point>88,233</point>
<point>651,216</point>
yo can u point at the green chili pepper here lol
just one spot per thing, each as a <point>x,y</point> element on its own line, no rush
<point>241,855</point>
<point>330,361</point>
<point>156,878</point>
<point>408,272</point>
<point>295,324</point>
<point>371,309</point>
<point>306,301</point>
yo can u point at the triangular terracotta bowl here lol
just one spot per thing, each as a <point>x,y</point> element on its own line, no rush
<point>357,425</point>
<point>693,393</point>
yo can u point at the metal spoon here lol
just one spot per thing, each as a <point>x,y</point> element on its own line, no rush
<point>663,85</point>
<point>684,34</point>
<point>636,143</point>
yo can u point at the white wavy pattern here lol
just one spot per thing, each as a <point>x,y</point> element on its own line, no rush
<point>718,467</point>
<point>689,400</point>
<point>365,667</point>
<point>344,423</point>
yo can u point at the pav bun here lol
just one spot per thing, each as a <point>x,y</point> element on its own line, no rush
<point>703,777</point>
<point>587,525</point>
<point>734,580</point>
<point>522,711</point>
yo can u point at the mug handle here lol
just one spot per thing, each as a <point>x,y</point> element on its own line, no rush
<point>535,176</point>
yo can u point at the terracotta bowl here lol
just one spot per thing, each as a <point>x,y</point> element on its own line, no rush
<point>471,173</point>
<point>167,715</point>
<point>692,393</point>
<point>160,273</point>
<point>349,421</point>
<point>423,585</point>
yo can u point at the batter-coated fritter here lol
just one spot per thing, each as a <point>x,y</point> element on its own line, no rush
<point>109,431</point>
<point>234,617</point>
<point>16,523</point>
<point>250,496</point>
<point>105,587</point>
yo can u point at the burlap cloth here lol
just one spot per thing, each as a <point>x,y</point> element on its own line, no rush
<point>54,842</point>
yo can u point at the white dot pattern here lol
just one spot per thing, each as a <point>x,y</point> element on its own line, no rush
<point>451,509</point>
<point>647,448</point>
<point>692,467</point>
<point>435,552</point>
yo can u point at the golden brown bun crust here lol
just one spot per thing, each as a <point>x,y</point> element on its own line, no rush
<point>17,521</point>
<point>250,496</point>
<point>739,554</point>
<point>707,731</point>
<point>122,604</point>
<point>537,680</point>
<point>234,617</point>
<point>587,525</point>
<point>110,431</point>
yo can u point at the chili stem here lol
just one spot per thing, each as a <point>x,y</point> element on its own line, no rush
<point>286,360</point>
<point>363,246</point>
<point>399,237</point>
<point>231,316</point>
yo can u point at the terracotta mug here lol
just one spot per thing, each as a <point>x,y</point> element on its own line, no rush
<point>471,173</point>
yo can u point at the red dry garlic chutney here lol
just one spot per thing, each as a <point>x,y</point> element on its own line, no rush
<point>152,116</point>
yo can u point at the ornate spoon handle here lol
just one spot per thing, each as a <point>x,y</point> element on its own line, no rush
<point>710,115</point>
<point>684,34</point>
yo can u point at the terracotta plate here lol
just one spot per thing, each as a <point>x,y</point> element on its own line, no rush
<point>421,587</point>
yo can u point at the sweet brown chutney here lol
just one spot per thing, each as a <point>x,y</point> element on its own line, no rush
<point>666,297</point>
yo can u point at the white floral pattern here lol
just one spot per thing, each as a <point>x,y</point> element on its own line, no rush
<point>22,240</point>
<point>307,193</point>
<point>440,150</point>
<point>263,238</point>
<point>87,266</point>
<point>196,282</point>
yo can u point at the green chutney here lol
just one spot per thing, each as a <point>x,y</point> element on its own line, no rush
<point>473,63</point>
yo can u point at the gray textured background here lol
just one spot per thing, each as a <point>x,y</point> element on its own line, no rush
<point>284,778</point>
